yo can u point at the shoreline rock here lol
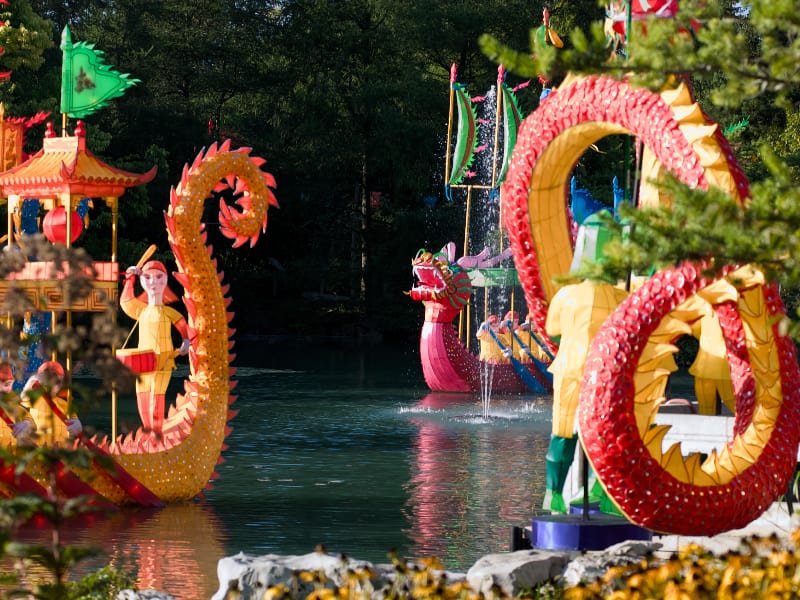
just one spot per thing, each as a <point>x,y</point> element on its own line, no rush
<point>512,572</point>
<point>249,576</point>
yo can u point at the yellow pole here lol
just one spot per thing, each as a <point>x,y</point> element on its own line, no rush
<point>3,138</point>
<point>114,228</point>
<point>467,220</point>
<point>67,201</point>
<point>10,242</point>
<point>114,399</point>
<point>499,104</point>
<point>461,333</point>
<point>468,309</point>
<point>512,320</point>
<point>501,72</point>
<point>113,412</point>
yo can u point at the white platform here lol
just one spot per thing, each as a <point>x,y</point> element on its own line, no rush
<point>699,433</point>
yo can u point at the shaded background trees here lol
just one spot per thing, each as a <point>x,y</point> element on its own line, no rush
<point>347,100</point>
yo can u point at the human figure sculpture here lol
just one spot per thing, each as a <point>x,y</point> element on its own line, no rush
<point>50,429</point>
<point>711,371</point>
<point>19,419</point>
<point>529,346</point>
<point>491,352</point>
<point>576,313</point>
<point>155,321</point>
<point>506,334</point>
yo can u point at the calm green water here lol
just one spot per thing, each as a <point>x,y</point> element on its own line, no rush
<point>345,448</point>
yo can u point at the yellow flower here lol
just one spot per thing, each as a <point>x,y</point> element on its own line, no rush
<point>321,594</point>
<point>636,580</point>
<point>276,592</point>
<point>580,592</point>
<point>431,563</point>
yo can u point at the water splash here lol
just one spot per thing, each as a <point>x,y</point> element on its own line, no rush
<point>487,378</point>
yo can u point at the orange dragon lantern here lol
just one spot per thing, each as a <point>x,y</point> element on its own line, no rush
<point>180,462</point>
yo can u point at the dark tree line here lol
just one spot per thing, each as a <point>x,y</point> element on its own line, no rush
<point>347,101</point>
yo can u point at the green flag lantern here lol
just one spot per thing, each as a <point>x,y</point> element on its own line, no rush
<point>87,83</point>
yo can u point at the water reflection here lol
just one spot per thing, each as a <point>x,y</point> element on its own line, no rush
<point>175,548</point>
<point>346,449</point>
<point>473,476</point>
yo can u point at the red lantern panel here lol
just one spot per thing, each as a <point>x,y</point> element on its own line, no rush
<point>55,225</point>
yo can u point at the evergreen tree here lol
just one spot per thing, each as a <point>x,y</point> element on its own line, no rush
<point>25,38</point>
<point>742,61</point>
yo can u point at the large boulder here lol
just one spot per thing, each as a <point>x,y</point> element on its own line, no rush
<point>143,595</point>
<point>250,576</point>
<point>513,572</point>
<point>593,565</point>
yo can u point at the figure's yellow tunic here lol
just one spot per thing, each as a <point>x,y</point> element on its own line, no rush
<point>490,349</point>
<point>711,370</point>
<point>528,338</point>
<point>576,313</point>
<point>507,340</point>
<point>155,333</point>
<point>49,428</point>
<point>17,411</point>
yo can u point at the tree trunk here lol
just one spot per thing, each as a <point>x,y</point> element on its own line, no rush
<point>365,209</point>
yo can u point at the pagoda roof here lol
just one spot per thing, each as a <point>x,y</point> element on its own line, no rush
<point>65,166</point>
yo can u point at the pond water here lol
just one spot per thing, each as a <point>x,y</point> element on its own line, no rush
<point>349,449</point>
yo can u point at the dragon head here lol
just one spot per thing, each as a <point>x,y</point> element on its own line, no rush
<point>431,273</point>
<point>438,279</point>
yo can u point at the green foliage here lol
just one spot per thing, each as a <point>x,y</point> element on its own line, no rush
<point>740,55</point>
<point>105,583</point>
<point>24,38</point>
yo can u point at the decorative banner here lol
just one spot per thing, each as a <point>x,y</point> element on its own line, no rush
<point>512,117</point>
<point>11,141</point>
<point>662,9</point>
<point>12,137</point>
<point>87,83</point>
<point>466,136</point>
<point>617,15</point>
<point>546,34</point>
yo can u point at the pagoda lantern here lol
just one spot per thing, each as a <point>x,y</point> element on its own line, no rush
<point>62,176</point>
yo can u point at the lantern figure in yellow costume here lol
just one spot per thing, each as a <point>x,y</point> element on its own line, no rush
<point>491,351</point>
<point>530,345</point>
<point>711,370</point>
<point>576,313</point>
<point>155,321</point>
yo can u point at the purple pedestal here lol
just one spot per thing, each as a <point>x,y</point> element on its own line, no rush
<point>577,509</point>
<point>573,532</point>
